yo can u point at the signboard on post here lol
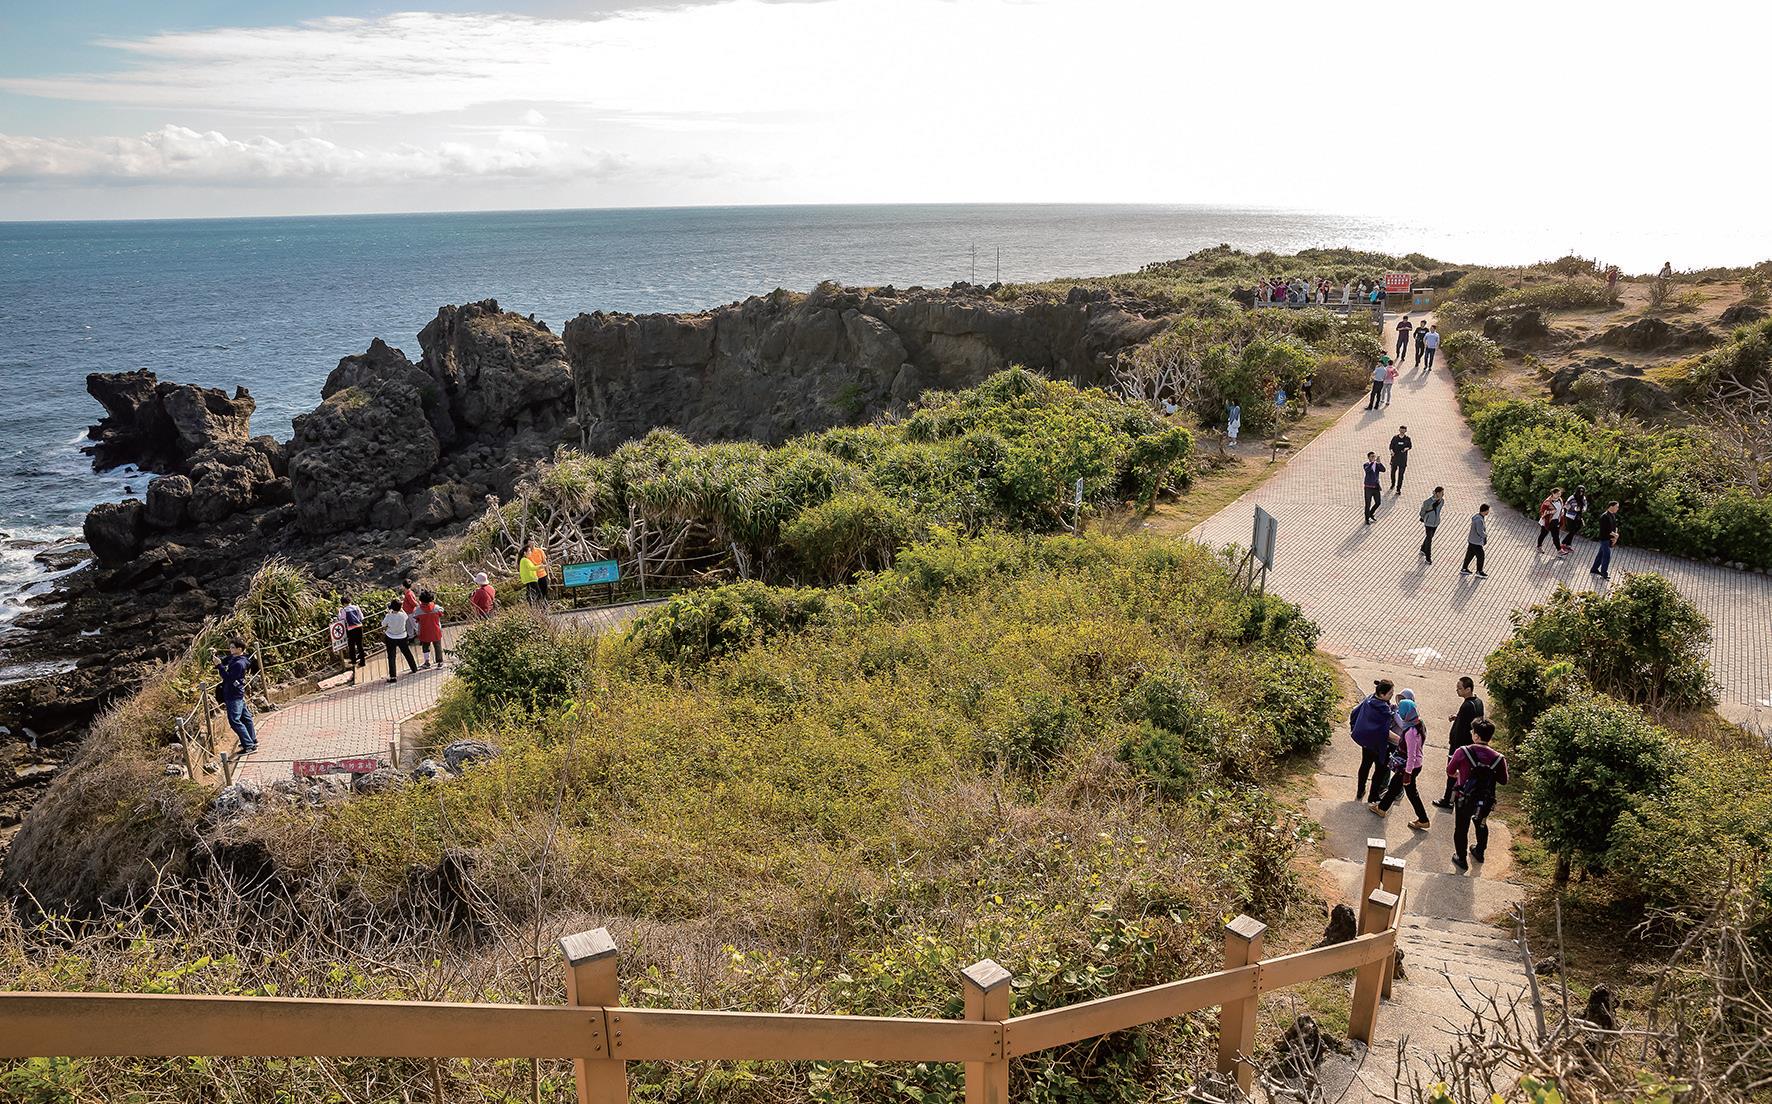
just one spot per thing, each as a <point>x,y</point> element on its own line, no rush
<point>1397,283</point>
<point>586,574</point>
<point>1262,543</point>
<point>311,768</point>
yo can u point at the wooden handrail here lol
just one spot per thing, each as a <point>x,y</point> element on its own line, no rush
<point>602,1037</point>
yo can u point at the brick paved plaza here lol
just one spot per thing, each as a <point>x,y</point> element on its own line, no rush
<point>1376,599</point>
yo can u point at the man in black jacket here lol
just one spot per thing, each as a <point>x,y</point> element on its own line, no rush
<point>1430,520</point>
<point>1400,446</point>
<point>1606,533</point>
<point>1470,708</point>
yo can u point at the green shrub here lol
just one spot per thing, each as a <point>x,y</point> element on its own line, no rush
<point>1712,822</point>
<point>1161,757</point>
<point>519,662</point>
<point>1589,761</point>
<point>702,625</point>
<point>1642,642</point>
<point>1173,700</point>
<point>1298,704</point>
<point>851,532</point>
<point>1523,682</point>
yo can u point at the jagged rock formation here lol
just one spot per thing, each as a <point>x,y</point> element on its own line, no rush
<point>161,425</point>
<point>1520,326</point>
<point>1654,335</point>
<point>1616,386</point>
<point>782,364</point>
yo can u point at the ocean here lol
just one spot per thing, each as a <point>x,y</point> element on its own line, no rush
<point>272,304</point>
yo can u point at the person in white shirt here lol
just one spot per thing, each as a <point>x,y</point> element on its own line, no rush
<point>1432,344</point>
<point>397,630</point>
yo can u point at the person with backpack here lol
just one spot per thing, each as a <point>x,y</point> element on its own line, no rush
<point>1405,767</point>
<point>1470,710</point>
<point>1431,509</point>
<point>350,615</point>
<point>1573,508</point>
<point>396,628</point>
<point>1475,769</point>
<point>429,616</point>
<point>233,669</point>
<point>1370,726</point>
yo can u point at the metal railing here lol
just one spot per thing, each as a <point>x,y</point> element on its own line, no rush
<point>602,1035</point>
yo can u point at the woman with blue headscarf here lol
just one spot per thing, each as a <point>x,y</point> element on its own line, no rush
<point>1406,766</point>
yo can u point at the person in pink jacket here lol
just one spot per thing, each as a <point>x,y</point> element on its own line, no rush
<point>1405,773</point>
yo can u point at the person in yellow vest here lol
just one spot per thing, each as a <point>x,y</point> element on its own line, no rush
<point>532,572</point>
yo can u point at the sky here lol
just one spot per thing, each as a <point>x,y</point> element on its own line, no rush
<point>1603,111</point>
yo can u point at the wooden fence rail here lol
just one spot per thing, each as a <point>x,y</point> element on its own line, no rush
<point>602,1036</point>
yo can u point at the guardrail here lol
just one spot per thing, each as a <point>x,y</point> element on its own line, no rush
<point>601,1035</point>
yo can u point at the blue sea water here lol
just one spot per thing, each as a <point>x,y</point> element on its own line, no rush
<point>272,304</point>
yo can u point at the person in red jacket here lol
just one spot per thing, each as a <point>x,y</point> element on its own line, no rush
<point>408,600</point>
<point>429,616</point>
<point>484,596</point>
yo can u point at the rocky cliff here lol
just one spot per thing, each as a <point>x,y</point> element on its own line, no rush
<point>782,364</point>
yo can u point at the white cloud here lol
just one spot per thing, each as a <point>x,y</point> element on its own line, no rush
<point>534,118</point>
<point>179,154</point>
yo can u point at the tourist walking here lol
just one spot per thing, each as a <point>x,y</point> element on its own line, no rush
<point>1475,769</point>
<point>429,616</point>
<point>1378,371</point>
<point>1432,342</point>
<point>408,599</point>
<point>1606,533</point>
<point>1470,710</point>
<point>1370,726</point>
<point>1310,381</point>
<point>1476,540</point>
<point>1573,508</point>
<point>1390,381</point>
<point>1374,493</point>
<point>232,669</point>
<point>1420,342</point>
<point>1430,520</point>
<point>532,572</point>
<point>1405,766</point>
<point>484,596</point>
<point>396,633</point>
<point>1400,446</point>
<point>1550,521</point>
<point>1233,422</point>
<point>350,615</point>
<point>1405,329</point>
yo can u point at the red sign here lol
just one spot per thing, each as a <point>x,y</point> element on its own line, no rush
<point>1396,283</point>
<point>308,768</point>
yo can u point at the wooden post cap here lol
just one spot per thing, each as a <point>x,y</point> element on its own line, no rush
<point>1394,863</point>
<point>986,975</point>
<point>1382,899</point>
<point>587,946</point>
<point>1375,843</point>
<point>1246,928</point>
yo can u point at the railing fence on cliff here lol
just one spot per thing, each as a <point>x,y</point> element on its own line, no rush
<point>602,1036</point>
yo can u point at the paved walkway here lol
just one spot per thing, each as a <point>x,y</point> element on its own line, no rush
<point>363,720</point>
<point>1375,598</point>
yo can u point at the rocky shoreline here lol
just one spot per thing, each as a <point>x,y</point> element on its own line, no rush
<point>400,453</point>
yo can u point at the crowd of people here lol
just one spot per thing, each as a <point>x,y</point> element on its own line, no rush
<point>1392,737</point>
<point>1320,291</point>
<point>415,616</point>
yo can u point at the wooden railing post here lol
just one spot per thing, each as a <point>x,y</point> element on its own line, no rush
<point>1390,880</point>
<point>1362,1020</point>
<point>592,981</point>
<point>1375,848</point>
<point>987,998</point>
<point>1236,1019</point>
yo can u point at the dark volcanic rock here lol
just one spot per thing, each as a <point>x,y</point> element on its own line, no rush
<point>1651,335</point>
<point>777,365</point>
<point>160,425</point>
<point>1522,326</point>
<point>1620,387</point>
<point>114,531</point>
<point>1741,314</point>
<point>360,443</point>
<point>169,497</point>
<point>500,373</point>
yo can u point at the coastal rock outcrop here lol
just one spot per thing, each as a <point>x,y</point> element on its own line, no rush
<point>1653,335</point>
<point>114,530</point>
<point>160,425</point>
<point>781,364</point>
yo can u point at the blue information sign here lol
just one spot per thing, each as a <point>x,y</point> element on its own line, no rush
<point>584,574</point>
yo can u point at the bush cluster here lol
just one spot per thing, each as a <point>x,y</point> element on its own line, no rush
<point>1659,476</point>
